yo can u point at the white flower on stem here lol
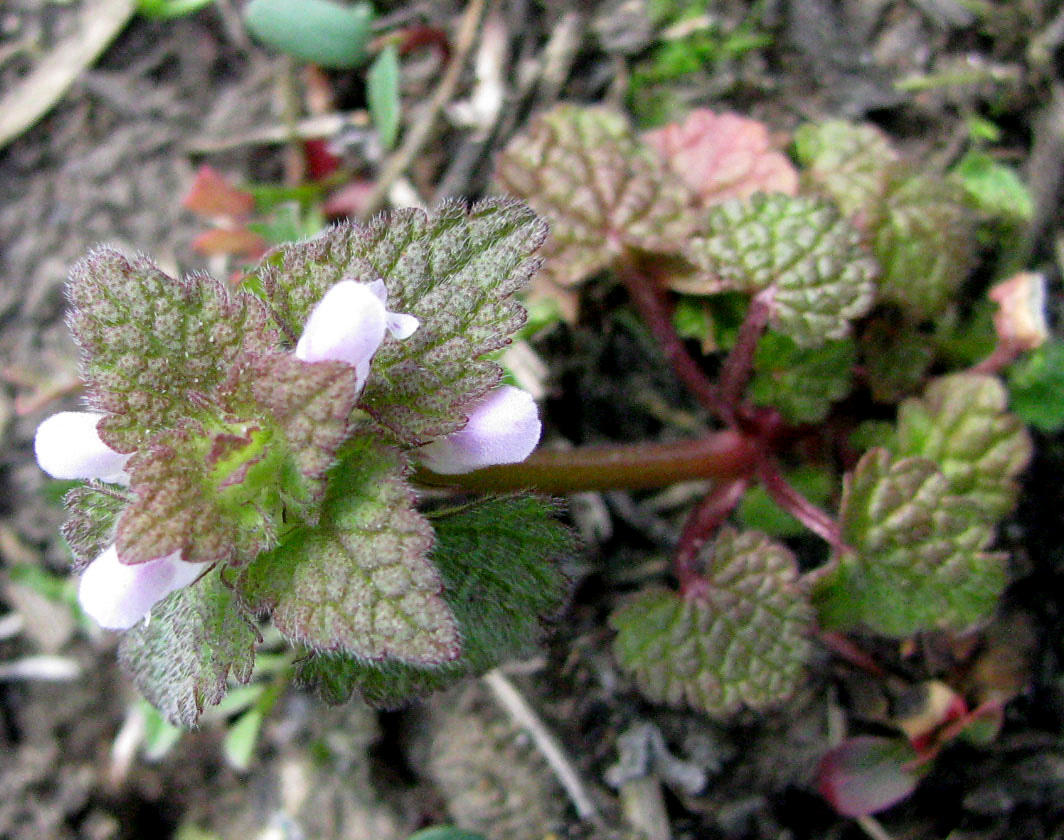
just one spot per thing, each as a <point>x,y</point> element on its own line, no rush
<point>68,446</point>
<point>117,595</point>
<point>503,428</point>
<point>1020,320</point>
<point>348,325</point>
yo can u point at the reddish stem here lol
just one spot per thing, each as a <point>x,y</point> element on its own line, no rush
<point>797,505</point>
<point>848,651</point>
<point>649,298</point>
<point>722,456</point>
<point>701,524</point>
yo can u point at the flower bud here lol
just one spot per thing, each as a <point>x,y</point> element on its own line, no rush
<point>503,428</point>
<point>348,325</point>
<point>117,595</point>
<point>1020,321</point>
<point>68,446</point>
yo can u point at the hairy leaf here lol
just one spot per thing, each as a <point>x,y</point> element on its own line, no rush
<point>849,162</point>
<point>1036,387</point>
<point>802,247</point>
<point>961,424</point>
<point>455,270</point>
<point>312,403</point>
<point>498,561</point>
<point>922,234</point>
<point>801,383</point>
<point>360,581</point>
<point>152,345</point>
<point>182,657</point>
<point>742,641</point>
<point>92,511</point>
<point>599,188</point>
<point>722,156</point>
<point>918,560</point>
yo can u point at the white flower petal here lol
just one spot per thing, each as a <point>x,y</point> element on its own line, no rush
<point>117,595</point>
<point>402,326</point>
<point>503,428</point>
<point>67,445</point>
<point>346,325</point>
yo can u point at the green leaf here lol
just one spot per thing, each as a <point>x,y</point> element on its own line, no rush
<point>445,832</point>
<point>360,581</point>
<point>498,561</point>
<point>320,31</point>
<point>455,270</point>
<point>312,404</point>
<point>923,236</point>
<point>995,187</point>
<point>1036,387</point>
<point>152,347</point>
<point>92,511</point>
<point>918,560</point>
<point>801,246</point>
<point>241,738</point>
<point>802,383</point>
<point>848,162</point>
<point>742,641</point>
<point>182,657</point>
<point>599,188</point>
<point>192,494</point>
<point>961,424</point>
<point>160,736</point>
<point>382,92</point>
<point>170,9</point>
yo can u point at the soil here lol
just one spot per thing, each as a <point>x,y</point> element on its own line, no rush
<point>110,163</point>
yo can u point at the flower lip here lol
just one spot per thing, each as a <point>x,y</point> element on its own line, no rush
<point>348,325</point>
<point>68,446</point>
<point>118,595</point>
<point>503,428</point>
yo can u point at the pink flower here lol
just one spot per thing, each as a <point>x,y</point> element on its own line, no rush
<point>117,595</point>
<point>348,325</point>
<point>1020,321</point>
<point>503,428</point>
<point>68,446</point>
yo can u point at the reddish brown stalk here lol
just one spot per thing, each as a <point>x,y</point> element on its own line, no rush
<point>740,362</point>
<point>797,505</point>
<point>702,523</point>
<point>722,456</point>
<point>649,298</point>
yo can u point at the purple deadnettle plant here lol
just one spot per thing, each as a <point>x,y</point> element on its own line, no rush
<point>250,455</point>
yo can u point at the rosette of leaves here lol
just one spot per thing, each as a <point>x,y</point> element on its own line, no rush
<point>290,485</point>
<point>600,188</point>
<point>739,640</point>
<point>799,246</point>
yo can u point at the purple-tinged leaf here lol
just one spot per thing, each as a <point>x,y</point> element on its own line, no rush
<point>865,775</point>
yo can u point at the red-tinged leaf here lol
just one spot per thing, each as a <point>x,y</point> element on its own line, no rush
<point>237,242</point>
<point>212,194</point>
<point>865,775</point>
<point>320,161</point>
<point>722,156</point>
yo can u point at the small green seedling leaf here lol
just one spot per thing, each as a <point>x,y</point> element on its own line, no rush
<point>382,92</point>
<point>160,736</point>
<point>445,832</point>
<point>917,558</point>
<point>359,582</point>
<point>598,186</point>
<point>241,738</point>
<point>182,658</point>
<point>456,270</point>
<point>170,9</point>
<point>320,31</point>
<point>800,246</point>
<point>995,187</point>
<point>802,383</point>
<point>501,591</point>
<point>1036,387</point>
<point>740,641</point>
<point>961,424</point>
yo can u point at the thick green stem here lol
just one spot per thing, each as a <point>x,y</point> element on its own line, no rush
<point>722,456</point>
